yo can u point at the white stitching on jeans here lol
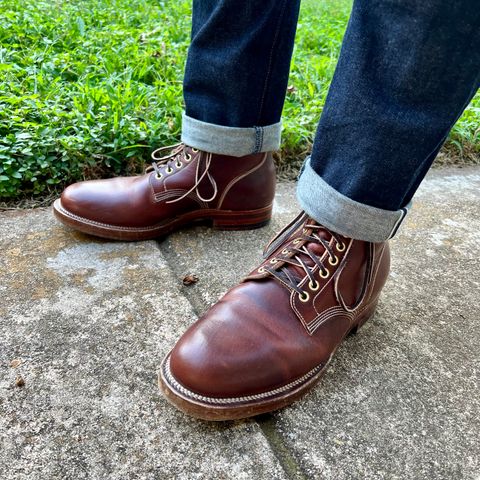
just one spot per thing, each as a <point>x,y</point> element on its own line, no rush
<point>258,139</point>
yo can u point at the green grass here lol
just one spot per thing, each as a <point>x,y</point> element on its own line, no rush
<point>88,88</point>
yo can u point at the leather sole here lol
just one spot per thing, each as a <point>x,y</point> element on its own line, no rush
<point>219,219</point>
<point>233,408</point>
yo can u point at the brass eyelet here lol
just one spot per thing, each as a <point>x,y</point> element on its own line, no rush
<point>297,240</point>
<point>340,247</point>
<point>285,251</point>
<point>304,297</point>
<point>333,261</point>
<point>158,176</point>
<point>178,164</point>
<point>313,286</point>
<point>188,157</point>
<point>194,150</point>
<point>273,261</point>
<point>169,170</point>
<point>325,274</point>
<point>261,270</point>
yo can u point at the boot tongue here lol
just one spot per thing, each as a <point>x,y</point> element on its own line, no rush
<point>314,247</point>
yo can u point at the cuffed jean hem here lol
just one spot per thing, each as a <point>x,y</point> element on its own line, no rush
<point>343,215</point>
<point>233,141</point>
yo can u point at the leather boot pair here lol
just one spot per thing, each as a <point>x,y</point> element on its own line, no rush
<point>269,339</point>
<point>182,187</point>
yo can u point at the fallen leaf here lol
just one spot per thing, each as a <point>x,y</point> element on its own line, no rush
<point>190,279</point>
<point>19,382</point>
<point>15,362</point>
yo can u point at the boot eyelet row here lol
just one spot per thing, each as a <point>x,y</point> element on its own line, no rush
<point>333,261</point>
<point>325,273</point>
<point>304,297</point>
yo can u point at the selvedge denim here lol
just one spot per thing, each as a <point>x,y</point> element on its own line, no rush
<point>406,72</point>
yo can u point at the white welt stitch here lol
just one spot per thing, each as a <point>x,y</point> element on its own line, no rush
<point>106,225</point>
<point>228,400</point>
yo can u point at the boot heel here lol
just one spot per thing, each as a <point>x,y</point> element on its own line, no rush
<point>242,220</point>
<point>364,317</point>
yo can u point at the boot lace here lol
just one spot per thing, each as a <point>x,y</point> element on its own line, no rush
<point>298,256</point>
<point>174,161</point>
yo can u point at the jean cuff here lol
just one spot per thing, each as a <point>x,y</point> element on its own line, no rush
<point>233,141</point>
<point>343,215</point>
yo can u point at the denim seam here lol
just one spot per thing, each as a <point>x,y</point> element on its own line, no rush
<point>258,139</point>
<point>270,60</point>
<point>232,141</point>
<point>399,222</point>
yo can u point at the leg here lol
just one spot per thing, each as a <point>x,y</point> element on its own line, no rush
<point>406,71</point>
<point>235,84</point>
<point>237,73</point>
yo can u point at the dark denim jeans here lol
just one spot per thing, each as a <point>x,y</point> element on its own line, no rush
<point>407,70</point>
<point>239,60</point>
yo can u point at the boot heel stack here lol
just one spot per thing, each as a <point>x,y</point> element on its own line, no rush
<point>242,220</point>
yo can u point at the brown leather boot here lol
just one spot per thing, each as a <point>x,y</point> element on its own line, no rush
<point>184,186</point>
<point>270,338</point>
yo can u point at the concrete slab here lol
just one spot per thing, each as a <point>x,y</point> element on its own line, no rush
<point>401,399</point>
<point>221,258</point>
<point>84,326</point>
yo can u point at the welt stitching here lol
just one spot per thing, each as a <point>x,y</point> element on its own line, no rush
<point>222,401</point>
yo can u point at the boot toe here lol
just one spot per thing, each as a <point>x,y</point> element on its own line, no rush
<point>225,355</point>
<point>81,199</point>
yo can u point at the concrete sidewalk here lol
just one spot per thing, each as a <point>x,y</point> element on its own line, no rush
<point>85,323</point>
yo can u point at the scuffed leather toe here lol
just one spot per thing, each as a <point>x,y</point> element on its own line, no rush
<point>116,201</point>
<point>82,199</point>
<point>222,356</point>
